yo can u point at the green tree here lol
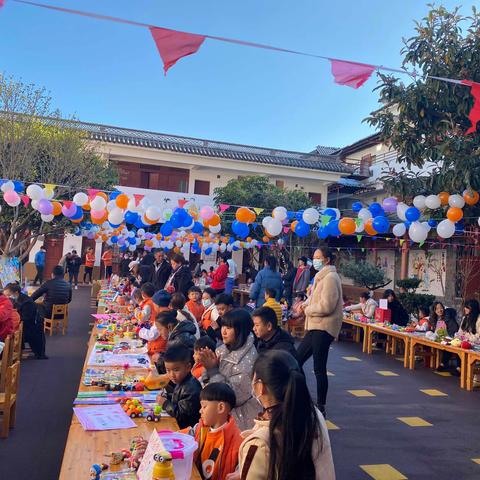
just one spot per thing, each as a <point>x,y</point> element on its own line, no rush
<point>35,146</point>
<point>410,299</point>
<point>365,274</point>
<point>424,120</point>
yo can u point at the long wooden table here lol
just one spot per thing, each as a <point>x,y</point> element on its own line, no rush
<point>472,357</point>
<point>83,448</point>
<point>358,327</point>
<point>242,294</point>
<point>394,336</point>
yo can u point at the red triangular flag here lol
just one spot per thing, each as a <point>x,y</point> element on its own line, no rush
<point>25,198</point>
<point>92,193</point>
<point>474,115</point>
<point>68,204</point>
<point>223,207</point>
<point>173,45</point>
<point>182,202</point>
<point>351,74</point>
<point>138,198</point>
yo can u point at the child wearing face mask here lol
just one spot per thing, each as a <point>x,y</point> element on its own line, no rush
<point>211,313</point>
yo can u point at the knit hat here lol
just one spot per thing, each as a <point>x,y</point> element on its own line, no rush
<point>162,298</point>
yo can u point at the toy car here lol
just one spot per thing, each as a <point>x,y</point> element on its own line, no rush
<point>154,414</point>
<point>132,407</point>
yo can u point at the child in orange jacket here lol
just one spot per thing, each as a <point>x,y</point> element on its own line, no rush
<point>217,434</point>
<point>148,313</point>
<point>194,304</point>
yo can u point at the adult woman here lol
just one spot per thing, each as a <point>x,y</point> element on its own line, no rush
<point>232,363</point>
<point>288,278</point>
<point>220,275</point>
<point>302,275</point>
<point>268,277</point>
<point>399,314</point>
<point>210,314</point>
<point>367,305</point>
<point>180,279</point>
<point>323,320</point>
<point>470,326</point>
<point>89,263</point>
<point>290,439</point>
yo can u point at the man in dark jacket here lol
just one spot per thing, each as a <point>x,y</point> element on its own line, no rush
<point>163,269</point>
<point>32,322</point>
<point>73,268</point>
<point>55,291</point>
<point>269,335</point>
<point>180,279</point>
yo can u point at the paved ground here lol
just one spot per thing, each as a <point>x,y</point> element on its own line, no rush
<point>369,432</point>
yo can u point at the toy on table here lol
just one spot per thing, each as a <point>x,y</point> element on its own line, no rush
<point>154,414</point>
<point>133,407</point>
<point>163,468</point>
<point>137,450</point>
<point>96,469</point>
<point>155,381</point>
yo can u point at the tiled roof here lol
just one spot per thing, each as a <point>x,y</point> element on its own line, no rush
<point>209,148</point>
<point>323,150</point>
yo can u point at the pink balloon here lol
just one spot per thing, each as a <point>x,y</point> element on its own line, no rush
<point>45,207</point>
<point>97,214</point>
<point>11,198</point>
<point>207,212</point>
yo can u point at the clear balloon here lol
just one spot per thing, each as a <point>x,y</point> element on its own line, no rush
<point>399,229</point>
<point>80,198</point>
<point>419,202</point>
<point>417,232</point>
<point>280,213</point>
<point>310,216</point>
<point>446,229</point>
<point>456,201</point>
<point>364,214</point>
<point>433,202</point>
<point>35,192</point>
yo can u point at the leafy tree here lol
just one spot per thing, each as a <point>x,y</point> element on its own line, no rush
<point>365,274</point>
<point>424,120</point>
<point>410,299</point>
<point>35,146</point>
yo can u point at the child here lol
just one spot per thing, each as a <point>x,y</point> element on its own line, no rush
<point>423,324</point>
<point>210,314</point>
<point>296,317</point>
<point>270,295</point>
<point>184,402</point>
<point>217,433</point>
<point>148,313</point>
<point>194,304</point>
<point>183,315</point>
<point>203,342</point>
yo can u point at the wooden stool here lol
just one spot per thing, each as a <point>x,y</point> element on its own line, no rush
<point>8,399</point>
<point>5,361</point>
<point>58,320</point>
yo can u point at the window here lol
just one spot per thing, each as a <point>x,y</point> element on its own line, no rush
<point>183,186</point>
<point>202,187</point>
<point>280,183</point>
<point>316,198</point>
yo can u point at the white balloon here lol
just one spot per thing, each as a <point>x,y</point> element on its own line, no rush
<point>7,186</point>
<point>132,248</point>
<point>360,227</point>
<point>417,232</point>
<point>280,213</point>
<point>169,244</point>
<point>130,234</point>
<point>140,232</point>
<point>456,201</point>
<point>153,213</point>
<point>401,209</point>
<point>223,247</point>
<point>111,205</point>
<point>337,213</point>
<point>35,192</point>
<point>479,221</point>
<point>115,217</point>
<point>80,199</point>
<point>446,229</point>
<point>48,193</point>
<point>266,221</point>
<point>433,202</point>
<point>132,206</point>
<point>419,202</point>
<point>34,204</point>
<point>310,216</point>
<point>427,226</point>
<point>399,229</point>
<point>364,214</point>
<point>145,203</point>
<point>215,228</point>
<point>274,227</point>
<point>47,218</point>
<point>98,203</point>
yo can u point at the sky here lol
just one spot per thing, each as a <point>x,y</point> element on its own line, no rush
<point>110,73</point>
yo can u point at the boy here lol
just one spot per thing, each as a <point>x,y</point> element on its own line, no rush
<point>269,335</point>
<point>203,342</point>
<point>184,402</point>
<point>270,295</point>
<point>149,310</point>
<point>194,304</point>
<point>217,434</point>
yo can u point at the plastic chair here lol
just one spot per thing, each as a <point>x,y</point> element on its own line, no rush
<point>58,320</point>
<point>8,399</point>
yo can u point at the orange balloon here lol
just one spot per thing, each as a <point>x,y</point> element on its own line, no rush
<point>454,214</point>
<point>347,226</point>
<point>293,225</point>
<point>78,220</point>
<point>265,239</point>
<point>150,222</point>
<point>253,216</point>
<point>369,228</point>
<point>103,195</point>
<point>243,214</point>
<point>214,221</point>
<point>57,208</point>
<point>148,243</point>
<point>471,197</point>
<point>444,196</point>
<point>99,221</point>
<point>122,201</point>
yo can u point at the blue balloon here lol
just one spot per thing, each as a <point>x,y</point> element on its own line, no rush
<point>139,223</point>
<point>18,186</point>
<point>197,227</point>
<point>231,240</point>
<point>357,206</point>
<point>432,223</point>
<point>176,220</point>
<point>114,195</point>
<point>302,229</point>
<point>166,229</point>
<point>113,225</point>
<point>460,226</point>
<point>381,224</point>
<point>132,240</point>
<point>407,224</point>
<point>290,215</point>
<point>208,251</point>
<point>78,214</point>
<point>131,217</point>
<point>322,233</point>
<point>181,213</point>
<point>240,229</point>
<point>122,248</point>
<point>333,229</point>
<point>235,248</point>
<point>412,214</point>
<point>299,215</point>
<point>330,212</point>
<point>114,239</point>
<point>375,209</point>
<point>187,221</point>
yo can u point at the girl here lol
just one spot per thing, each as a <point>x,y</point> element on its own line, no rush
<point>232,363</point>
<point>438,316</point>
<point>423,324</point>
<point>323,320</point>
<point>290,438</point>
<point>367,305</point>
<point>399,314</point>
<point>470,326</point>
<point>302,275</point>
<point>296,316</point>
<point>220,275</point>
<point>211,313</point>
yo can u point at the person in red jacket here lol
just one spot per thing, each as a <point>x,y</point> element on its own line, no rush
<point>220,276</point>
<point>6,317</point>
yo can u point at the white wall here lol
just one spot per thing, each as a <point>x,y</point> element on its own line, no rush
<point>426,266</point>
